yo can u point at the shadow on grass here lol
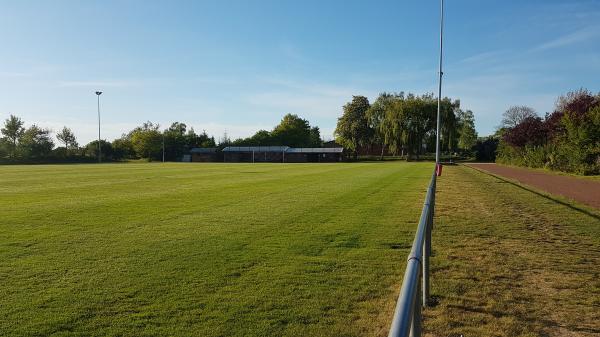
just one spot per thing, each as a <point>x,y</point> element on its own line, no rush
<point>434,301</point>
<point>543,195</point>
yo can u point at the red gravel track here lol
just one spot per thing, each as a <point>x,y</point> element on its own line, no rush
<point>585,191</point>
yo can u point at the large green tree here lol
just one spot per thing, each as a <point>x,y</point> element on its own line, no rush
<point>449,133</point>
<point>67,137</point>
<point>314,139</point>
<point>419,120</point>
<point>35,143</point>
<point>291,131</point>
<point>295,132</point>
<point>353,130</point>
<point>260,138</point>
<point>13,130</point>
<point>408,122</point>
<point>147,141</point>
<point>394,124</point>
<point>376,116</point>
<point>106,149</point>
<point>176,141</point>
<point>122,148</point>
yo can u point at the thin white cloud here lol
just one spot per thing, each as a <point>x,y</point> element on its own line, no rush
<point>579,36</point>
<point>565,14</point>
<point>484,57</point>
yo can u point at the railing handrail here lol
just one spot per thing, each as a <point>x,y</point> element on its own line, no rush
<point>407,316</point>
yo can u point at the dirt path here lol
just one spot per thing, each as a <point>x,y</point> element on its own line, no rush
<point>581,190</point>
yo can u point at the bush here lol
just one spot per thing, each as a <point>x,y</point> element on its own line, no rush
<point>91,150</point>
<point>123,148</point>
<point>567,140</point>
<point>531,131</point>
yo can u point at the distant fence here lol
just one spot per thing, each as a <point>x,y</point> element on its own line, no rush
<point>407,317</point>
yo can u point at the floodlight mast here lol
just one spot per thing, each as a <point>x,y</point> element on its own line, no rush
<point>439,98</point>
<point>98,93</point>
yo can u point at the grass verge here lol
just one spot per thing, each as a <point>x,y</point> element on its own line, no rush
<point>509,262</point>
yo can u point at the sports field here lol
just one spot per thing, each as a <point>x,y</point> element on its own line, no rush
<point>205,249</point>
<point>286,250</point>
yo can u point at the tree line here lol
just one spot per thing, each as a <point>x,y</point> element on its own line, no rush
<point>405,124</point>
<point>401,124</point>
<point>568,139</point>
<point>36,144</point>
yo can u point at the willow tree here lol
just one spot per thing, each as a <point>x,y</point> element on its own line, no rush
<point>419,120</point>
<point>393,126</point>
<point>376,116</point>
<point>449,124</point>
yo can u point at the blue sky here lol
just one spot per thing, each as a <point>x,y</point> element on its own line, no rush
<point>239,66</point>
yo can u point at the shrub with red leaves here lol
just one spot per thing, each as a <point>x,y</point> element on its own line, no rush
<point>567,139</point>
<point>577,103</point>
<point>531,131</point>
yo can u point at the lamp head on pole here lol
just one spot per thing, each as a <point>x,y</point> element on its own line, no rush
<point>98,93</point>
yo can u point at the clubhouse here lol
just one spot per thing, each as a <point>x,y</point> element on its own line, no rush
<point>267,154</point>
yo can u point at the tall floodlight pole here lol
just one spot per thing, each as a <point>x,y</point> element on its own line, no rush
<point>439,99</point>
<point>98,93</point>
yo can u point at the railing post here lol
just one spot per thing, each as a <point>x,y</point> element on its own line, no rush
<point>415,329</point>
<point>427,244</point>
<point>433,202</point>
<point>425,262</point>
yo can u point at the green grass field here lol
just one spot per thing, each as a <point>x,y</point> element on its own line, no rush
<point>285,250</point>
<point>205,249</point>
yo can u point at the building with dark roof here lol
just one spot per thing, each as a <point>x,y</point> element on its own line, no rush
<point>314,154</point>
<point>281,154</point>
<point>255,154</point>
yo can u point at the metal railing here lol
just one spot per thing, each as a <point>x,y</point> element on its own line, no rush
<point>407,316</point>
